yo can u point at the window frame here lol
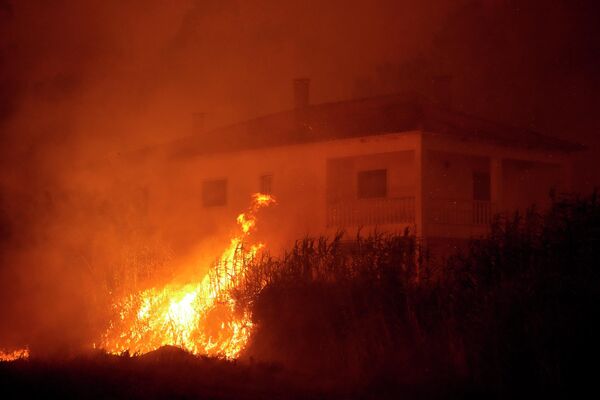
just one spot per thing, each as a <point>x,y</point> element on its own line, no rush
<point>207,201</point>
<point>362,189</point>
<point>482,178</point>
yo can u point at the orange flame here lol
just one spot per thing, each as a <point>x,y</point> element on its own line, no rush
<point>199,317</point>
<point>18,354</point>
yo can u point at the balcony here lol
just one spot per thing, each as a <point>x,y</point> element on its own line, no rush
<point>364,212</point>
<point>444,217</point>
<point>459,212</point>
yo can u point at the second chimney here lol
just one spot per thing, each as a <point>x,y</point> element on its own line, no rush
<point>301,92</point>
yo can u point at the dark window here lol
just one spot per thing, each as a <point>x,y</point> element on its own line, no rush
<point>481,186</point>
<point>372,184</point>
<point>266,184</point>
<point>214,193</point>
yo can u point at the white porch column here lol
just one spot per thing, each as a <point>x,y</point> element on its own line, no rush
<point>496,184</point>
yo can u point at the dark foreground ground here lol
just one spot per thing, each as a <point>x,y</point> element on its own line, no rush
<point>173,374</point>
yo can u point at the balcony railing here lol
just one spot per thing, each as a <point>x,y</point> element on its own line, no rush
<point>459,212</point>
<point>364,212</point>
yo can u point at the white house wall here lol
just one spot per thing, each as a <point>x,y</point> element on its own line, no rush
<point>518,178</point>
<point>299,184</point>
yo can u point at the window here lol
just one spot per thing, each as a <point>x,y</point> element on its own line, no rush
<point>481,186</point>
<point>265,184</point>
<point>372,184</point>
<point>214,193</point>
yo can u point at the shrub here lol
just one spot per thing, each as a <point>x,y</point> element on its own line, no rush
<point>517,308</point>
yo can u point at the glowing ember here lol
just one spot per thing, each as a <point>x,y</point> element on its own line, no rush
<point>14,355</point>
<point>199,317</point>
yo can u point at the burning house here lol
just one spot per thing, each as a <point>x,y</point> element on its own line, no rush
<point>388,163</point>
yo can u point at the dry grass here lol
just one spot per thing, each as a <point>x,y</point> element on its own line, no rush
<point>516,309</point>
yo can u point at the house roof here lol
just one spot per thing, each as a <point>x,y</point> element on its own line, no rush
<point>361,117</point>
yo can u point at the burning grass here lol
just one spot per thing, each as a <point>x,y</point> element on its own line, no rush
<point>200,317</point>
<point>13,355</point>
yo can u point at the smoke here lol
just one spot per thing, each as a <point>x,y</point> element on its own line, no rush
<point>83,84</point>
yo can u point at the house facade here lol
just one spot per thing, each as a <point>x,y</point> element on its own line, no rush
<point>383,163</point>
